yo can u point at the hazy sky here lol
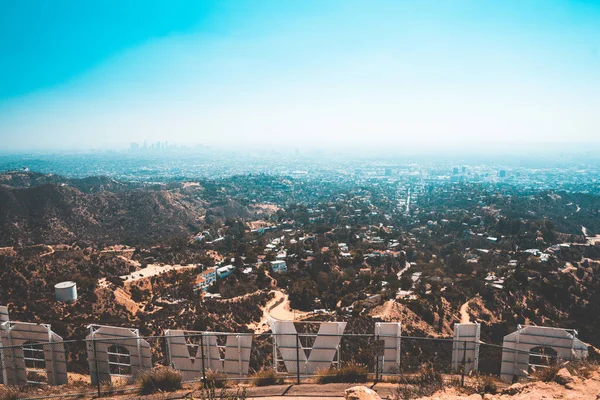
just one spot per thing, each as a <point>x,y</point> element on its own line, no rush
<point>80,74</point>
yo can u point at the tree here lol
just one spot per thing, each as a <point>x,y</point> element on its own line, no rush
<point>302,294</point>
<point>406,282</point>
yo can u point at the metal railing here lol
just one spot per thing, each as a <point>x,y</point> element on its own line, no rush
<point>206,350</point>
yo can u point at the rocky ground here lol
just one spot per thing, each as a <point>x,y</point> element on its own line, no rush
<point>563,385</point>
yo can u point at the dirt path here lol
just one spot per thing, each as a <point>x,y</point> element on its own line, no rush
<point>464,313</point>
<point>386,311</point>
<point>237,298</point>
<point>403,270</point>
<point>49,252</point>
<point>153,270</point>
<point>591,240</point>
<point>284,312</point>
<point>279,308</point>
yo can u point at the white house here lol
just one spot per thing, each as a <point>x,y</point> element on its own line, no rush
<point>205,279</point>
<point>279,266</point>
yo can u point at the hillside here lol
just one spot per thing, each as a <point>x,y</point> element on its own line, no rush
<point>95,210</point>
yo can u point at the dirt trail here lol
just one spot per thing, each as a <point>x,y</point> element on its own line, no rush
<point>591,240</point>
<point>403,270</point>
<point>49,252</point>
<point>279,308</point>
<point>464,313</point>
<point>153,270</point>
<point>384,313</point>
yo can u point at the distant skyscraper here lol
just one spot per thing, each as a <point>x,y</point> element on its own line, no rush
<point>134,147</point>
<point>502,174</point>
<point>455,170</point>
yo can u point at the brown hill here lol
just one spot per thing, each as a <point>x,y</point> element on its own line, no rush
<point>59,213</point>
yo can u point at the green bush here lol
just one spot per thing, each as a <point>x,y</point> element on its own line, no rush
<point>160,379</point>
<point>349,373</point>
<point>266,377</point>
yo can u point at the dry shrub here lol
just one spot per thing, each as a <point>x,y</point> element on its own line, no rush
<point>216,379</point>
<point>546,374</point>
<point>266,377</point>
<point>583,369</point>
<point>160,379</point>
<point>485,384</point>
<point>349,373</point>
<point>425,383</point>
<point>9,393</point>
<point>211,394</point>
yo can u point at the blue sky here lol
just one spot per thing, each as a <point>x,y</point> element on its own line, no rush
<point>299,73</point>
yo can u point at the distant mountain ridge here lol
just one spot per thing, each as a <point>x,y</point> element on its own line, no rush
<point>38,208</point>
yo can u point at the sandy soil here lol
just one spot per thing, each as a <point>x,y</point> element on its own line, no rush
<point>284,312</point>
<point>464,313</point>
<point>384,312</point>
<point>259,224</point>
<point>279,308</point>
<point>8,251</point>
<point>585,389</point>
<point>270,208</point>
<point>591,240</point>
<point>153,270</point>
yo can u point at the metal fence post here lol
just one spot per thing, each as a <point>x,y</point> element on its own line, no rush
<point>376,340</point>
<point>464,364</point>
<point>2,362</point>
<point>297,358</point>
<point>203,365</point>
<point>96,367</point>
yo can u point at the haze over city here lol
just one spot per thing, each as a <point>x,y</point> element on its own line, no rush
<point>419,75</point>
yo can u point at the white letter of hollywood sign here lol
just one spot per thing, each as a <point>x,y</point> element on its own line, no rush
<point>185,353</point>
<point>323,351</point>
<point>31,353</point>
<point>116,351</point>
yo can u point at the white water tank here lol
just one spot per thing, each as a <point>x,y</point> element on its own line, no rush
<point>66,291</point>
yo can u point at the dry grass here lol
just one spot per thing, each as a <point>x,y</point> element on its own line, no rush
<point>349,373</point>
<point>9,393</point>
<point>216,379</point>
<point>485,384</point>
<point>212,394</point>
<point>425,383</point>
<point>160,379</point>
<point>266,377</point>
<point>583,369</point>
<point>546,374</point>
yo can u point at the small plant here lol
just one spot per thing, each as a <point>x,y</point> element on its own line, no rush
<point>485,384</point>
<point>211,394</point>
<point>266,377</point>
<point>425,383</point>
<point>349,373</point>
<point>428,376</point>
<point>546,374</point>
<point>9,393</point>
<point>216,379</point>
<point>583,368</point>
<point>160,379</point>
